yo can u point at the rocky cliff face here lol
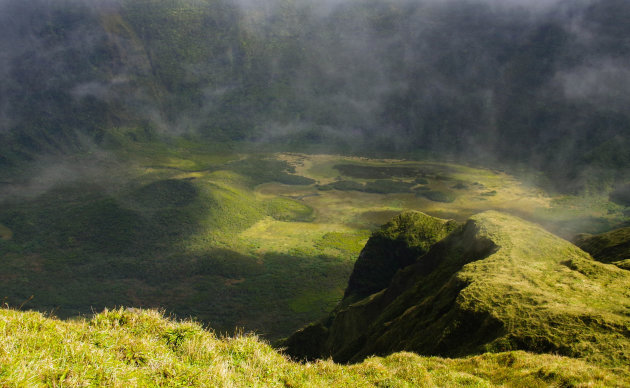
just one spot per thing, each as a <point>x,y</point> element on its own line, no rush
<point>495,283</point>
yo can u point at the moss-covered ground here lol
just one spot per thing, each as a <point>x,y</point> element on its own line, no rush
<point>140,348</point>
<point>235,239</point>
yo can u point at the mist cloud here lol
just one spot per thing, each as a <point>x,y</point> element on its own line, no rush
<point>605,82</point>
<point>458,76</point>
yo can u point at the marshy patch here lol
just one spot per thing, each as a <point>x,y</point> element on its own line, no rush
<point>263,170</point>
<point>383,172</point>
<point>438,196</point>
<point>388,186</point>
<point>378,186</point>
<point>377,172</point>
<point>342,186</point>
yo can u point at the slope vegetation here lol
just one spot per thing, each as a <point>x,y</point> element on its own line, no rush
<point>496,283</point>
<point>612,247</point>
<point>135,348</point>
<point>240,240</point>
<point>366,76</point>
<point>396,245</point>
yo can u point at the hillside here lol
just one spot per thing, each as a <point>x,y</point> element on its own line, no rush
<point>135,348</point>
<point>394,246</point>
<point>469,79</point>
<point>404,173</point>
<point>265,242</point>
<point>496,283</point>
<point>612,247</point>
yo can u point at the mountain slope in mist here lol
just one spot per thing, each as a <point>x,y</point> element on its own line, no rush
<point>538,83</point>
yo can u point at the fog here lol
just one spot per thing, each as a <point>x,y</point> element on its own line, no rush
<point>543,83</point>
<point>111,110</point>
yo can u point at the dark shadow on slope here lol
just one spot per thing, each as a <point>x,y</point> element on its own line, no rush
<point>610,248</point>
<point>76,247</point>
<point>416,312</point>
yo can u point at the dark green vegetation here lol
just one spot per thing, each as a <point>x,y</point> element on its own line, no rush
<point>166,193</point>
<point>171,241</point>
<point>495,283</point>
<point>394,246</point>
<point>176,154</point>
<point>405,78</point>
<point>612,247</point>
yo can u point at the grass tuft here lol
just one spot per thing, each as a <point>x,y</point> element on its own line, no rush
<point>140,348</point>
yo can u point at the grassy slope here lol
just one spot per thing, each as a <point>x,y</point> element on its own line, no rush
<point>498,283</point>
<point>134,348</point>
<point>395,245</point>
<point>612,247</point>
<point>231,239</point>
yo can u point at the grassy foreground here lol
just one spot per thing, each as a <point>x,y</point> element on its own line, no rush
<point>140,348</point>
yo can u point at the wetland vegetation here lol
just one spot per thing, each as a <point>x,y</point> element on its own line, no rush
<point>244,240</point>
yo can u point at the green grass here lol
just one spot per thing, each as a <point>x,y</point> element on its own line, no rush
<point>140,348</point>
<point>148,229</point>
<point>244,241</point>
<point>439,196</point>
<point>612,247</point>
<point>497,283</point>
<point>285,209</point>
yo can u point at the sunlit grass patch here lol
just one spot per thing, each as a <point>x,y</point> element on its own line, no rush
<point>139,348</point>
<point>168,206</point>
<point>269,235</point>
<point>285,209</point>
<point>347,243</point>
<point>5,233</point>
